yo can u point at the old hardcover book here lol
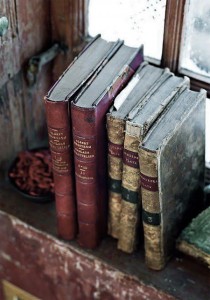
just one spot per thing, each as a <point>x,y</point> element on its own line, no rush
<point>195,238</point>
<point>140,85</point>
<point>90,145</point>
<point>88,62</point>
<point>171,169</point>
<point>140,119</point>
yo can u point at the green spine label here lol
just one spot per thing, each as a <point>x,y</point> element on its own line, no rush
<point>130,196</point>
<point>115,186</point>
<point>151,218</point>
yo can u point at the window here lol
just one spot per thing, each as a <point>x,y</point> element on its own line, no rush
<point>195,45</point>
<point>176,34</point>
<point>136,22</point>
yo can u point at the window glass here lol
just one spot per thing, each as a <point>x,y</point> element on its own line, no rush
<point>195,46</point>
<point>136,22</point>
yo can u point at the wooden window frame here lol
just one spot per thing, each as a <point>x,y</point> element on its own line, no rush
<point>69,25</point>
<point>172,41</point>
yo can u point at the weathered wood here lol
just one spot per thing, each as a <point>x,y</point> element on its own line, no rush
<point>196,85</point>
<point>172,34</point>
<point>34,28</point>
<point>28,33</point>
<point>15,98</point>
<point>67,19</point>
<point>12,129</point>
<point>22,116</point>
<point>64,268</point>
<point>9,44</point>
<point>51,269</point>
<point>35,120</point>
<point>172,41</point>
<point>6,149</point>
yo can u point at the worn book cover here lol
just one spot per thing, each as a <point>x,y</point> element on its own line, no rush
<point>90,144</point>
<point>195,238</point>
<point>146,79</point>
<point>140,119</point>
<point>88,62</point>
<point>171,173</point>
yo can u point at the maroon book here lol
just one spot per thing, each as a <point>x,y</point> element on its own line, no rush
<point>90,142</point>
<point>57,104</point>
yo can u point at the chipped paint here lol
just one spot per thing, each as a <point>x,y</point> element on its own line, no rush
<point>78,266</point>
<point>61,268</point>
<point>10,259</point>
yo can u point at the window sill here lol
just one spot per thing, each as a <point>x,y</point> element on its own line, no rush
<point>182,278</point>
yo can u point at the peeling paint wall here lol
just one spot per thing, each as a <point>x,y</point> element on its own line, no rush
<point>50,269</point>
<point>22,115</point>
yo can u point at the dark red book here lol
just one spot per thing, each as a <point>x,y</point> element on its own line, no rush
<point>57,103</point>
<point>90,142</point>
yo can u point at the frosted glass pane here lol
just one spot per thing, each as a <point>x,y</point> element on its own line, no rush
<point>195,47</point>
<point>135,21</point>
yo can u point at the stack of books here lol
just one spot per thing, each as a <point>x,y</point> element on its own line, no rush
<point>127,145</point>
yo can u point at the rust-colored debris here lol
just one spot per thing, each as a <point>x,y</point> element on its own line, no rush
<point>32,172</point>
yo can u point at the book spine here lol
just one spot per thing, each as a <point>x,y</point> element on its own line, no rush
<point>59,133</point>
<point>90,157</point>
<point>115,132</point>
<point>90,214</point>
<point>129,218</point>
<point>151,210</point>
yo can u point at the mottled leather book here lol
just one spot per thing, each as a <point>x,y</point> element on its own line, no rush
<point>195,238</point>
<point>140,85</point>
<point>139,121</point>
<point>172,167</point>
<point>90,143</point>
<point>76,77</point>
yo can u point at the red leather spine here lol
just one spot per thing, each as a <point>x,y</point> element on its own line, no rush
<point>85,157</point>
<point>59,133</point>
<point>90,158</point>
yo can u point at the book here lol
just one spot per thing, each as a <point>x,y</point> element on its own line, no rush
<point>140,85</point>
<point>140,119</point>
<point>195,238</point>
<point>88,62</point>
<point>90,145</point>
<point>172,165</point>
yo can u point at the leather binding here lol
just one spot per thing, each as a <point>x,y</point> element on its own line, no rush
<point>90,156</point>
<point>137,127</point>
<point>172,164</point>
<point>141,84</point>
<point>63,173</point>
<point>115,130</point>
<point>194,239</point>
<point>60,140</point>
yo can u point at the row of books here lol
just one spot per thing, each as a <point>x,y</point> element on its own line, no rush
<point>156,162</point>
<point>110,110</point>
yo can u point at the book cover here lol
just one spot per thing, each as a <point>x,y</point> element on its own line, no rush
<point>90,143</point>
<point>171,170</point>
<point>195,238</point>
<point>140,85</point>
<point>140,119</point>
<point>95,55</point>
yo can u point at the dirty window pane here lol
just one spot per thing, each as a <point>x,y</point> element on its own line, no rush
<point>136,22</point>
<point>195,53</point>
